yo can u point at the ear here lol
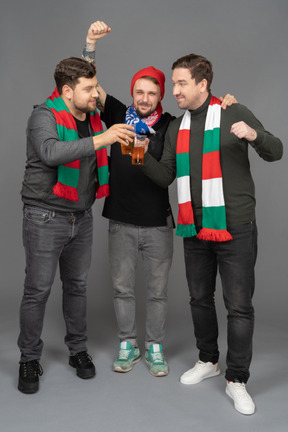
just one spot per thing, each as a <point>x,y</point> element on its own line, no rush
<point>203,85</point>
<point>67,92</point>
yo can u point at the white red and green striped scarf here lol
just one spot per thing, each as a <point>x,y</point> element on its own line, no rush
<point>213,205</point>
<point>68,174</point>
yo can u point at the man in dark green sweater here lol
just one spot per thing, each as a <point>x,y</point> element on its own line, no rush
<point>207,149</point>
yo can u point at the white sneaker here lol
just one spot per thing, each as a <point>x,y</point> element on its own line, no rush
<point>200,371</point>
<point>242,400</point>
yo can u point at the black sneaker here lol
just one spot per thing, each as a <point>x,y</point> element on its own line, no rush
<point>29,373</point>
<point>83,364</point>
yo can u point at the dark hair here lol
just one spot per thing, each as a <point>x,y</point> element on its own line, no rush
<point>69,70</point>
<point>200,67</point>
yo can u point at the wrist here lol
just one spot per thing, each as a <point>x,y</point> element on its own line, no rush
<point>253,135</point>
<point>95,142</point>
<point>98,141</point>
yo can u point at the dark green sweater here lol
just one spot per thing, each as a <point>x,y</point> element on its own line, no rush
<point>238,185</point>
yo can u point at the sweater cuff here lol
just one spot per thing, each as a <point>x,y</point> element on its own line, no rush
<point>147,159</point>
<point>260,138</point>
<point>89,146</point>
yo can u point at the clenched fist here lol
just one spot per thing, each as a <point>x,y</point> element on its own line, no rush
<point>96,31</point>
<point>242,130</point>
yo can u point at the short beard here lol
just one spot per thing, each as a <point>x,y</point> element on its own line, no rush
<point>85,110</point>
<point>145,115</point>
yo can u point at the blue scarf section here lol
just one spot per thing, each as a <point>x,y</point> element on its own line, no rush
<point>141,127</point>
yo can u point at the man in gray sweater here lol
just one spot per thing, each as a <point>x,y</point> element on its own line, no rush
<point>207,149</point>
<point>66,168</point>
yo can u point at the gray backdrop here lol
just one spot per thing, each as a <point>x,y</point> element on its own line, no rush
<point>247,43</point>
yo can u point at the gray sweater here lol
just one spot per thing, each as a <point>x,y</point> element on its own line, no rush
<point>238,185</point>
<point>45,152</point>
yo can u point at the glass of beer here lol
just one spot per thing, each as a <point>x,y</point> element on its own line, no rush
<point>138,150</point>
<point>127,149</point>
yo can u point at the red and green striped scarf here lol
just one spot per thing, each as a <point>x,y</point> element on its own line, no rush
<point>68,174</point>
<point>213,205</point>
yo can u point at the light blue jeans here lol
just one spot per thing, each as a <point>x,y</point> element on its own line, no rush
<point>156,247</point>
<point>50,238</point>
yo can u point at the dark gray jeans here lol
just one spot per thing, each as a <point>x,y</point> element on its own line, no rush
<point>51,237</point>
<point>236,261</point>
<point>156,246</point>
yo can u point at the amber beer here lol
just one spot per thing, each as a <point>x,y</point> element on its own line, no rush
<point>127,149</point>
<point>138,155</point>
<point>138,150</point>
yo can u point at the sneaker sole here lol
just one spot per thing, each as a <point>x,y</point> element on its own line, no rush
<point>250,412</point>
<point>213,374</point>
<point>159,374</point>
<point>119,369</point>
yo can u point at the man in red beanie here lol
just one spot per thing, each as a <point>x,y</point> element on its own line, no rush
<point>150,72</point>
<point>139,213</point>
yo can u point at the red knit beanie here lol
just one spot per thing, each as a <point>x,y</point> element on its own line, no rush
<point>151,72</point>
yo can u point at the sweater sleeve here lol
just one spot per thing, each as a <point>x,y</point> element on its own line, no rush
<point>163,172</point>
<point>88,55</point>
<point>114,111</point>
<point>42,133</point>
<point>269,147</point>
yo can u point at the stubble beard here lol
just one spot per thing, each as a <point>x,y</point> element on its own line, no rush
<point>86,109</point>
<point>147,114</point>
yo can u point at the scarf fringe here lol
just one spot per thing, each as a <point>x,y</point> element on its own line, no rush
<point>66,192</point>
<point>186,230</point>
<point>214,235</point>
<point>103,191</point>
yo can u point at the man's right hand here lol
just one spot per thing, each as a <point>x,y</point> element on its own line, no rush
<point>96,31</point>
<point>121,133</point>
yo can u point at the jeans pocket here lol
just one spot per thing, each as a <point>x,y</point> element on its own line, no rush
<point>37,215</point>
<point>89,213</point>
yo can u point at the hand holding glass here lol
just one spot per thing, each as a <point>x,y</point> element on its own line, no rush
<point>127,149</point>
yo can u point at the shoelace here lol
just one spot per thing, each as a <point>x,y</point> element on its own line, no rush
<point>198,365</point>
<point>157,357</point>
<point>32,369</point>
<point>241,391</point>
<point>83,358</point>
<point>123,354</point>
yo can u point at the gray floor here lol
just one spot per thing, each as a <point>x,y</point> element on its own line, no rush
<point>136,401</point>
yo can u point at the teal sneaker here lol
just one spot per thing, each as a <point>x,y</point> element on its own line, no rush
<point>155,359</point>
<point>127,357</point>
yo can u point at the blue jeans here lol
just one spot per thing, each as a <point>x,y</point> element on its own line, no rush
<point>156,246</point>
<point>50,237</point>
<point>236,261</point>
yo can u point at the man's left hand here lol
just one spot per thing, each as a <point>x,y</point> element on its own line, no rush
<point>242,130</point>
